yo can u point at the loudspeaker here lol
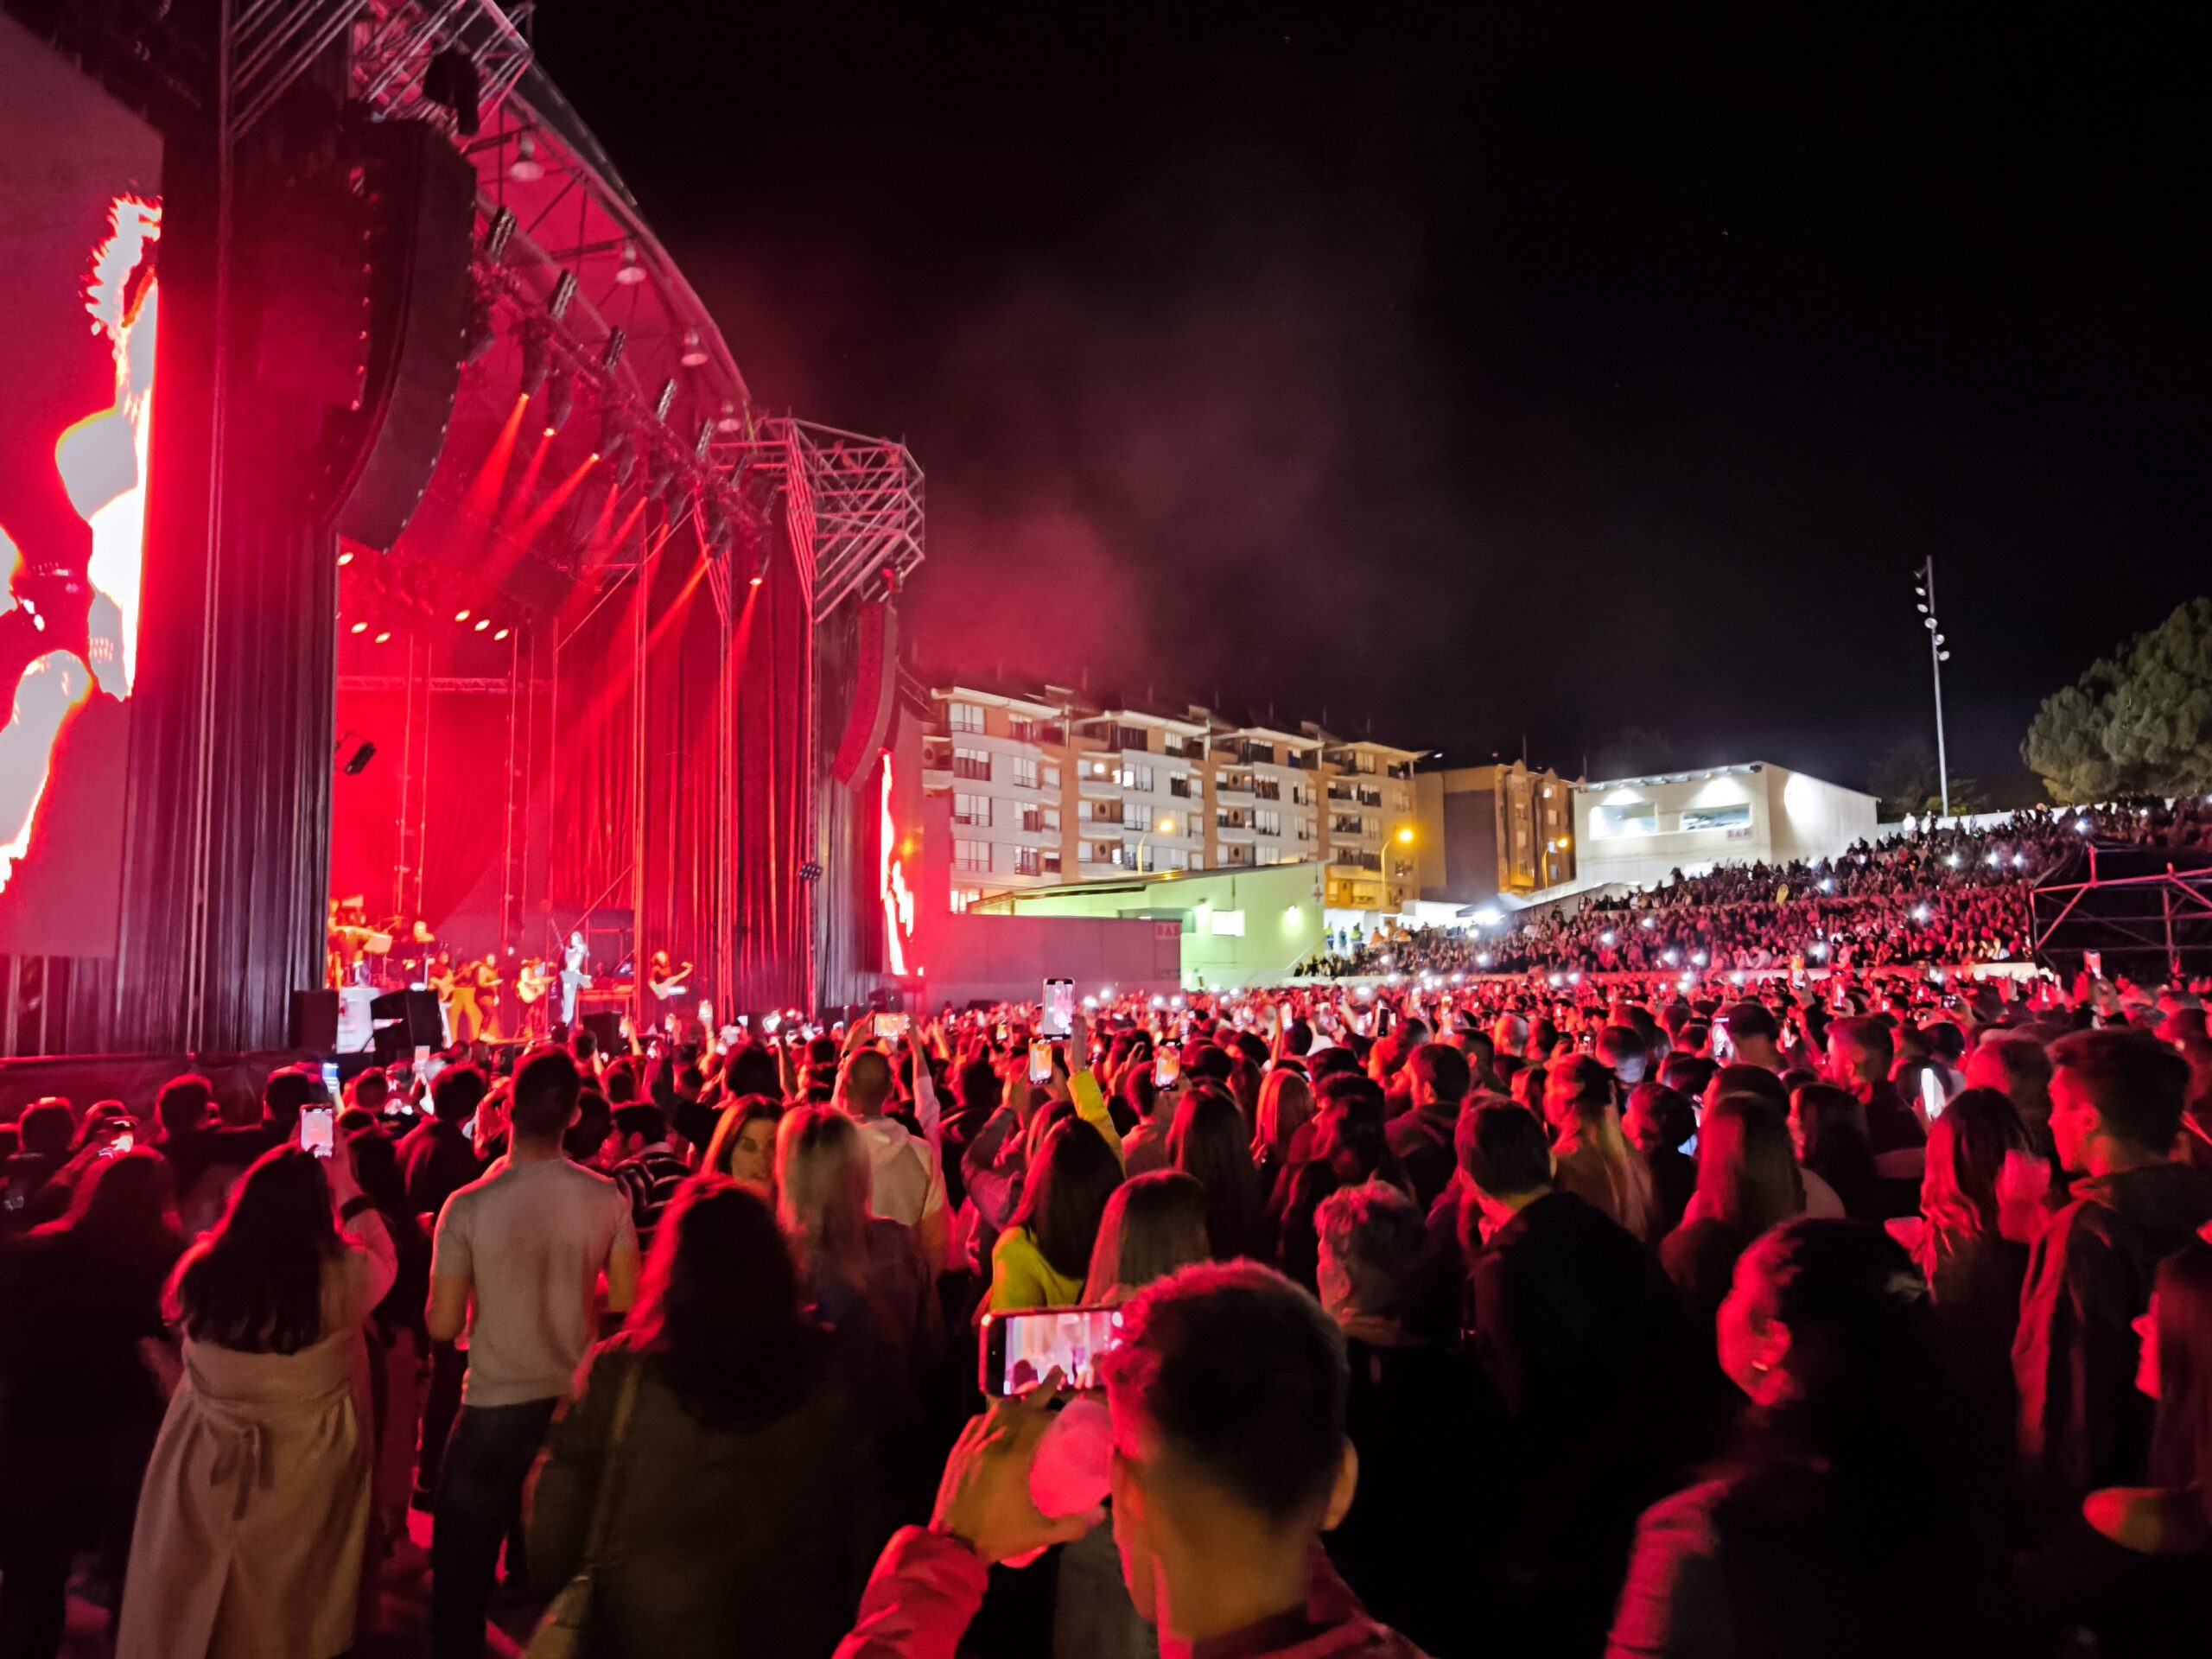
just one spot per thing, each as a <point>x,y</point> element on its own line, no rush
<point>419,235</point>
<point>605,1030</point>
<point>875,680</point>
<point>417,1014</point>
<point>391,1045</point>
<point>315,1020</point>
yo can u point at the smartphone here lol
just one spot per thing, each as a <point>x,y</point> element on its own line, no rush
<point>318,1130</point>
<point>121,1144</point>
<point>330,1079</point>
<point>1282,1016</point>
<point>1019,1350</point>
<point>1166,1066</point>
<point>2092,964</point>
<point>1058,1017</point>
<point>1931,1094</point>
<point>1040,1062</point>
<point>892,1027</point>
<point>1723,1045</point>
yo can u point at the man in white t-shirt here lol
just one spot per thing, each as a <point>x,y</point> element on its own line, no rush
<point>515,1263</point>
<point>909,1185</point>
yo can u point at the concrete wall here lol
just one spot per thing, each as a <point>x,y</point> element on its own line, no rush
<point>1008,958</point>
<point>1785,815</point>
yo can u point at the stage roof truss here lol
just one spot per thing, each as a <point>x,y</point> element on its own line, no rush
<point>394,42</point>
<point>857,500</point>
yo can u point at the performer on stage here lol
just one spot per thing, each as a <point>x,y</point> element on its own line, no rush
<point>573,977</point>
<point>488,982</point>
<point>532,981</point>
<point>464,1020</point>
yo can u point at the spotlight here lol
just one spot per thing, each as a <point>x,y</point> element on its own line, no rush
<point>660,474</point>
<point>560,403</point>
<point>383,639</point>
<point>503,633</point>
<point>618,453</point>
<point>729,421</point>
<point>537,362</point>
<point>359,627</point>
<point>757,581</point>
<point>357,763</point>
<point>497,234</point>
<point>482,623</point>
<point>612,357</point>
<point>344,558</point>
<point>564,295</point>
<point>694,350</point>
<point>632,273</point>
<point>481,336</point>
<point>461,616</point>
<point>526,168</point>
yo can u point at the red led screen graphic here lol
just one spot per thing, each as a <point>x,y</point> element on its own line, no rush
<point>80,235</point>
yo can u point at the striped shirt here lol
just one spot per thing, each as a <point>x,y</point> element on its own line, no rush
<point>649,1181</point>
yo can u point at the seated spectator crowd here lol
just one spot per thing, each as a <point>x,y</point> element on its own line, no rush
<point>1496,1318</point>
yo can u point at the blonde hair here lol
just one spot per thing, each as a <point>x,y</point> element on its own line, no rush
<point>823,1185</point>
<point>1286,1107</point>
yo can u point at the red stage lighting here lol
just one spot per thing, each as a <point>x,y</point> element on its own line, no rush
<point>385,637</point>
<point>360,627</point>
<point>461,616</point>
<point>502,633</point>
<point>344,558</point>
<point>482,623</point>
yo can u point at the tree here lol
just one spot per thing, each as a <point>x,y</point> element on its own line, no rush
<point>2138,723</point>
<point>1907,779</point>
<point>1632,751</point>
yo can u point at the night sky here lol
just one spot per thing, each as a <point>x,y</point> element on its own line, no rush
<point>1481,371</point>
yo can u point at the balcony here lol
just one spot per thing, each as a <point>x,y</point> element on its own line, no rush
<point>975,771</point>
<point>1343,860</point>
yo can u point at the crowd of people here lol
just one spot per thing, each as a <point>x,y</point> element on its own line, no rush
<point>1949,895</point>
<point>1633,1320</point>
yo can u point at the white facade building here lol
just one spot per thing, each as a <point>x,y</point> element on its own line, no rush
<point>1639,830</point>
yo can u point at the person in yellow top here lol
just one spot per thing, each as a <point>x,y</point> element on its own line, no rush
<point>1042,1257</point>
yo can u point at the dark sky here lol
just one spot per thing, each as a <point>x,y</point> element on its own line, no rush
<point>1476,370</point>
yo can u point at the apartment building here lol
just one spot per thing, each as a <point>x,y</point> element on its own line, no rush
<point>1048,787</point>
<point>1486,830</point>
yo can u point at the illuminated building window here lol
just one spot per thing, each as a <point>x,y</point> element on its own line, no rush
<point>965,717</point>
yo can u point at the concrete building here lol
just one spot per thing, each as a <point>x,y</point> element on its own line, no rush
<point>1238,927</point>
<point>1480,831</point>
<point>1639,830</point>
<point>1047,787</point>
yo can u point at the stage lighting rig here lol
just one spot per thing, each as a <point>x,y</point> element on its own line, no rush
<point>526,168</point>
<point>560,403</point>
<point>631,273</point>
<point>618,452</point>
<point>497,234</point>
<point>481,336</point>
<point>564,295</point>
<point>612,357</point>
<point>694,350</point>
<point>730,422</point>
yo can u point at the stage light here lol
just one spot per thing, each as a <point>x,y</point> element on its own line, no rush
<point>612,357</point>
<point>694,350</point>
<point>564,295</point>
<point>756,581</point>
<point>1605,938</point>
<point>481,336</point>
<point>560,405</point>
<point>537,362</point>
<point>344,558</point>
<point>482,623</point>
<point>526,168</point>
<point>383,639</point>
<point>503,633</point>
<point>729,420</point>
<point>497,234</point>
<point>461,616</point>
<point>618,454</point>
<point>360,761</point>
<point>1920,913</point>
<point>359,627</point>
<point>632,273</point>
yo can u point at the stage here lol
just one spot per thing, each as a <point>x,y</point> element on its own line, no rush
<point>402,619</point>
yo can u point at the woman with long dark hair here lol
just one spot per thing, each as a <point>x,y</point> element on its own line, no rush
<point>744,1145</point>
<point>741,1455</point>
<point>1039,1261</point>
<point>1280,1135</point>
<point>1747,1182</point>
<point>1350,1146</point>
<point>1839,1524</point>
<point>256,1505</point>
<point>80,1386</point>
<point>1211,1140</point>
<point>1828,1126</point>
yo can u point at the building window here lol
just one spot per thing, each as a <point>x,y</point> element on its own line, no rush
<point>1198,861</point>
<point>1268,821</point>
<point>1171,743</point>
<point>1134,816</point>
<point>1033,731</point>
<point>1629,819</point>
<point>1052,820</point>
<point>1052,775</point>
<point>972,810</point>
<point>1180,786</point>
<point>1025,860</point>
<point>1032,820</point>
<point>972,855</point>
<point>1301,794</point>
<point>1235,856</point>
<point>972,763</point>
<point>1025,772</point>
<point>1271,855</point>
<point>1130,737</point>
<point>1100,769</point>
<point>1717,817</point>
<point>965,718</point>
<point>1083,811</point>
<point>1049,861</point>
<point>1139,778</point>
<point>963,897</point>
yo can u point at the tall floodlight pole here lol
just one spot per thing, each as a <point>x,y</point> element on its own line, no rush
<point>1924,585</point>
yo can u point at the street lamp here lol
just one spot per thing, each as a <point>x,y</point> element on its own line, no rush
<point>1924,585</point>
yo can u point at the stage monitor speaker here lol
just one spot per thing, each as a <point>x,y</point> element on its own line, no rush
<point>420,231</point>
<point>315,1020</point>
<point>606,1031</point>
<point>391,1047</point>
<point>417,1014</point>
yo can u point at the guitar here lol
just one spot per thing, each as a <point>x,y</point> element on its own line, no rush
<point>532,982</point>
<point>672,986</point>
